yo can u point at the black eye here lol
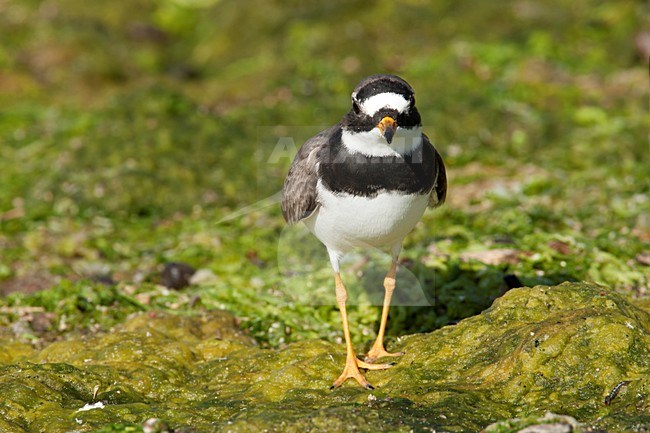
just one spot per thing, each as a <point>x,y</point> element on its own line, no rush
<point>412,101</point>
<point>355,107</point>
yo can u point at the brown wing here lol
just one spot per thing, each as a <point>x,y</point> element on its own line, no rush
<point>439,192</point>
<point>299,191</point>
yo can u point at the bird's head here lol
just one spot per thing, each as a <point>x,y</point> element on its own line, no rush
<point>383,114</point>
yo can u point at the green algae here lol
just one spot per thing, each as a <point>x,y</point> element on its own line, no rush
<point>539,119</point>
<point>13,351</point>
<point>560,349</point>
<point>549,419</point>
<point>127,132</point>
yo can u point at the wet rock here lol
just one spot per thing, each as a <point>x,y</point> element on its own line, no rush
<point>105,279</point>
<point>145,32</point>
<point>643,258</point>
<point>540,349</point>
<point>204,276</point>
<point>642,43</point>
<point>29,283</point>
<point>177,275</point>
<point>155,425</point>
<point>42,322</point>
<point>549,423</point>
<point>494,257</point>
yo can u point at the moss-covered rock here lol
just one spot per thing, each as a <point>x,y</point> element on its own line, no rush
<point>549,423</point>
<point>560,349</point>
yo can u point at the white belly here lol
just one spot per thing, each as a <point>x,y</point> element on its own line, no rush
<point>344,221</point>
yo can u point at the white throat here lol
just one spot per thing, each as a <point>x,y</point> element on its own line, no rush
<point>372,143</point>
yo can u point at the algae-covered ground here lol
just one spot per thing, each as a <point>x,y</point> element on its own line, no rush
<point>134,135</point>
<point>559,349</point>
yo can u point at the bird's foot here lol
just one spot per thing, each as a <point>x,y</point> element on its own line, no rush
<point>378,351</point>
<point>351,371</point>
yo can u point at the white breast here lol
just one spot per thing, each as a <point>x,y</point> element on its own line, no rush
<point>343,221</point>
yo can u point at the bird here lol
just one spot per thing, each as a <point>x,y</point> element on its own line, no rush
<point>366,182</point>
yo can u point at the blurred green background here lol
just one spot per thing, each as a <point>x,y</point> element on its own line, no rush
<point>129,129</point>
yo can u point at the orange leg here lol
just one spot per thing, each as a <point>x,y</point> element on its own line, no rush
<point>352,364</point>
<point>377,351</point>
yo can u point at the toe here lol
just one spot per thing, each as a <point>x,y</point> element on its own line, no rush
<point>351,371</point>
<point>369,366</point>
<point>375,354</point>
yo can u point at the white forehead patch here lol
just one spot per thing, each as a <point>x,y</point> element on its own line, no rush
<point>384,100</point>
